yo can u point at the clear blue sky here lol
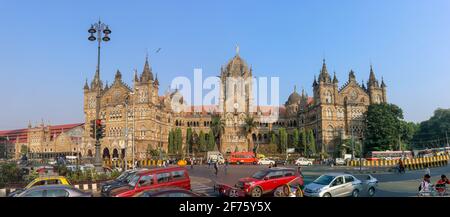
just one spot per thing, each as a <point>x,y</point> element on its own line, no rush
<point>45,55</point>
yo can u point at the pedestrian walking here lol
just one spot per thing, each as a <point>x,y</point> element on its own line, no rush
<point>216,167</point>
<point>209,163</point>
<point>192,163</point>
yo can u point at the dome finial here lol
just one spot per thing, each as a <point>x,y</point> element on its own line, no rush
<point>295,88</point>
<point>237,49</point>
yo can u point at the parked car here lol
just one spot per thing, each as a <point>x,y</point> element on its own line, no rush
<point>168,192</point>
<point>50,180</point>
<point>267,180</point>
<point>54,191</point>
<point>340,161</point>
<point>120,181</point>
<point>280,161</point>
<point>291,189</point>
<point>334,185</point>
<point>243,158</point>
<point>370,184</point>
<point>266,161</point>
<point>303,162</point>
<point>154,178</point>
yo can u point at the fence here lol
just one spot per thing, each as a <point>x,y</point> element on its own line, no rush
<point>411,164</point>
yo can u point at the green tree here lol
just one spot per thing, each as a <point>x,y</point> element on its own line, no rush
<point>189,140</point>
<point>273,137</point>
<point>211,141</point>
<point>195,143</point>
<point>249,127</point>
<point>202,142</point>
<point>151,151</point>
<point>171,142</point>
<point>282,141</point>
<point>311,143</point>
<point>437,128</point>
<point>296,139</point>
<point>178,141</point>
<point>218,128</point>
<point>383,127</point>
<point>304,142</point>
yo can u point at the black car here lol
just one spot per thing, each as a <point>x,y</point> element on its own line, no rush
<point>120,181</point>
<point>279,161</point>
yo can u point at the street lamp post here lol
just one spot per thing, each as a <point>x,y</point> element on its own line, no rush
<point>103,32</point>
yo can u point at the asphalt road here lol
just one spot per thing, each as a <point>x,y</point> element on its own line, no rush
<point>390,184</point>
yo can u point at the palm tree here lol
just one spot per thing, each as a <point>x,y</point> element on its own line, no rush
<point>218,128</point>
<point>249,127</point>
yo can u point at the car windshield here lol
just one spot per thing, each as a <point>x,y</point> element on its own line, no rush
<point>133,180</point>
<point>324,180</point>
<point>123,176</point>
<point>259,174</point>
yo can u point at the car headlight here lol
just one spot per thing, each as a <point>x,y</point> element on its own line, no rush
<point>317,190</point>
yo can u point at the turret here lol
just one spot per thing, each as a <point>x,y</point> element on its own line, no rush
<point>147,74</point>
<point>324,76</point>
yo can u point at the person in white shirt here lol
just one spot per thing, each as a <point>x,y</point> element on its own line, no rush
<point>425,186</point>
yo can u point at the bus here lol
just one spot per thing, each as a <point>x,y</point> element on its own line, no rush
<point>389,155</point>
<point>243,158</point>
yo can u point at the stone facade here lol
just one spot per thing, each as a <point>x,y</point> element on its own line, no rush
<point>332,112</point>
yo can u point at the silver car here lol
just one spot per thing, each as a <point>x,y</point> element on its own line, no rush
<point>370,184</point>
<point>334,185</point>
<point>53,191</point>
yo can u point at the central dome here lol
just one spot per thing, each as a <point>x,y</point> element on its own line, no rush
<point>236,67</point>
<point>294,98</point>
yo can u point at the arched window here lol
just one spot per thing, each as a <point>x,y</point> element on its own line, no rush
<point>330,132</point>
<point>328,97</point>
<point>329,113</point>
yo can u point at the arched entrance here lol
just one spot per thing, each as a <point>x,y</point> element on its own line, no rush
<point>122,154</point>
<point>106,153</point>
<point>89,153</point>
<point>115,153</point>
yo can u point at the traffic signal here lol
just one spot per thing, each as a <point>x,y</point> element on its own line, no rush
<point>100,133</point>
<point>92,129</point>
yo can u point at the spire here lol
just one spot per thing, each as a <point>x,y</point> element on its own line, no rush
<point>295,88</point>
<point>96,83</point>
<point>118,76</point>
<point>351,76</point>
<point>156,80</point>
<point>86,86</point>
<point>303,92</point>
<point>383,85</point>
<point>106,85</point>
<point>315,81</point>
<point>372,80</point>
<point>362,85</point>
<point>147,74</point>
<point>324,76</point>
<point>136,78</point>
<point>335,80</point>
<point>237,50</point>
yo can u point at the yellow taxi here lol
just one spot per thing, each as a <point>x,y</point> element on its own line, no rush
<point>49,180</point>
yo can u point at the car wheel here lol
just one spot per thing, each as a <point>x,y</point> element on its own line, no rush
<point>371,191</point>
<point>257,192</point>
<point>355,193</point>
<point>327,195</point>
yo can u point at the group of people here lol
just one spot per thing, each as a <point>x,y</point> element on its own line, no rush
<point>216,166</point>
<point>427,189</point>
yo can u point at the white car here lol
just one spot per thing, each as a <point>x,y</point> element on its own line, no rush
<point>266,161</point>
<point>340,161</point>
<point>303,162</point>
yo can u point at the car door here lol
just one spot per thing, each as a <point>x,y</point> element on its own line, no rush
<point>163,179</point>
<point>336,186</point>
<point>274,179</point>
<point>348,186</point>
<point>180,180</point>
<point>35,193</point>
<point>146,182</point>
<point>57,193</point>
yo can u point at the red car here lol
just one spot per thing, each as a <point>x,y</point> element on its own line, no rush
<point>154,178</point>
<point>243,158</point>
<point>262,182</point>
